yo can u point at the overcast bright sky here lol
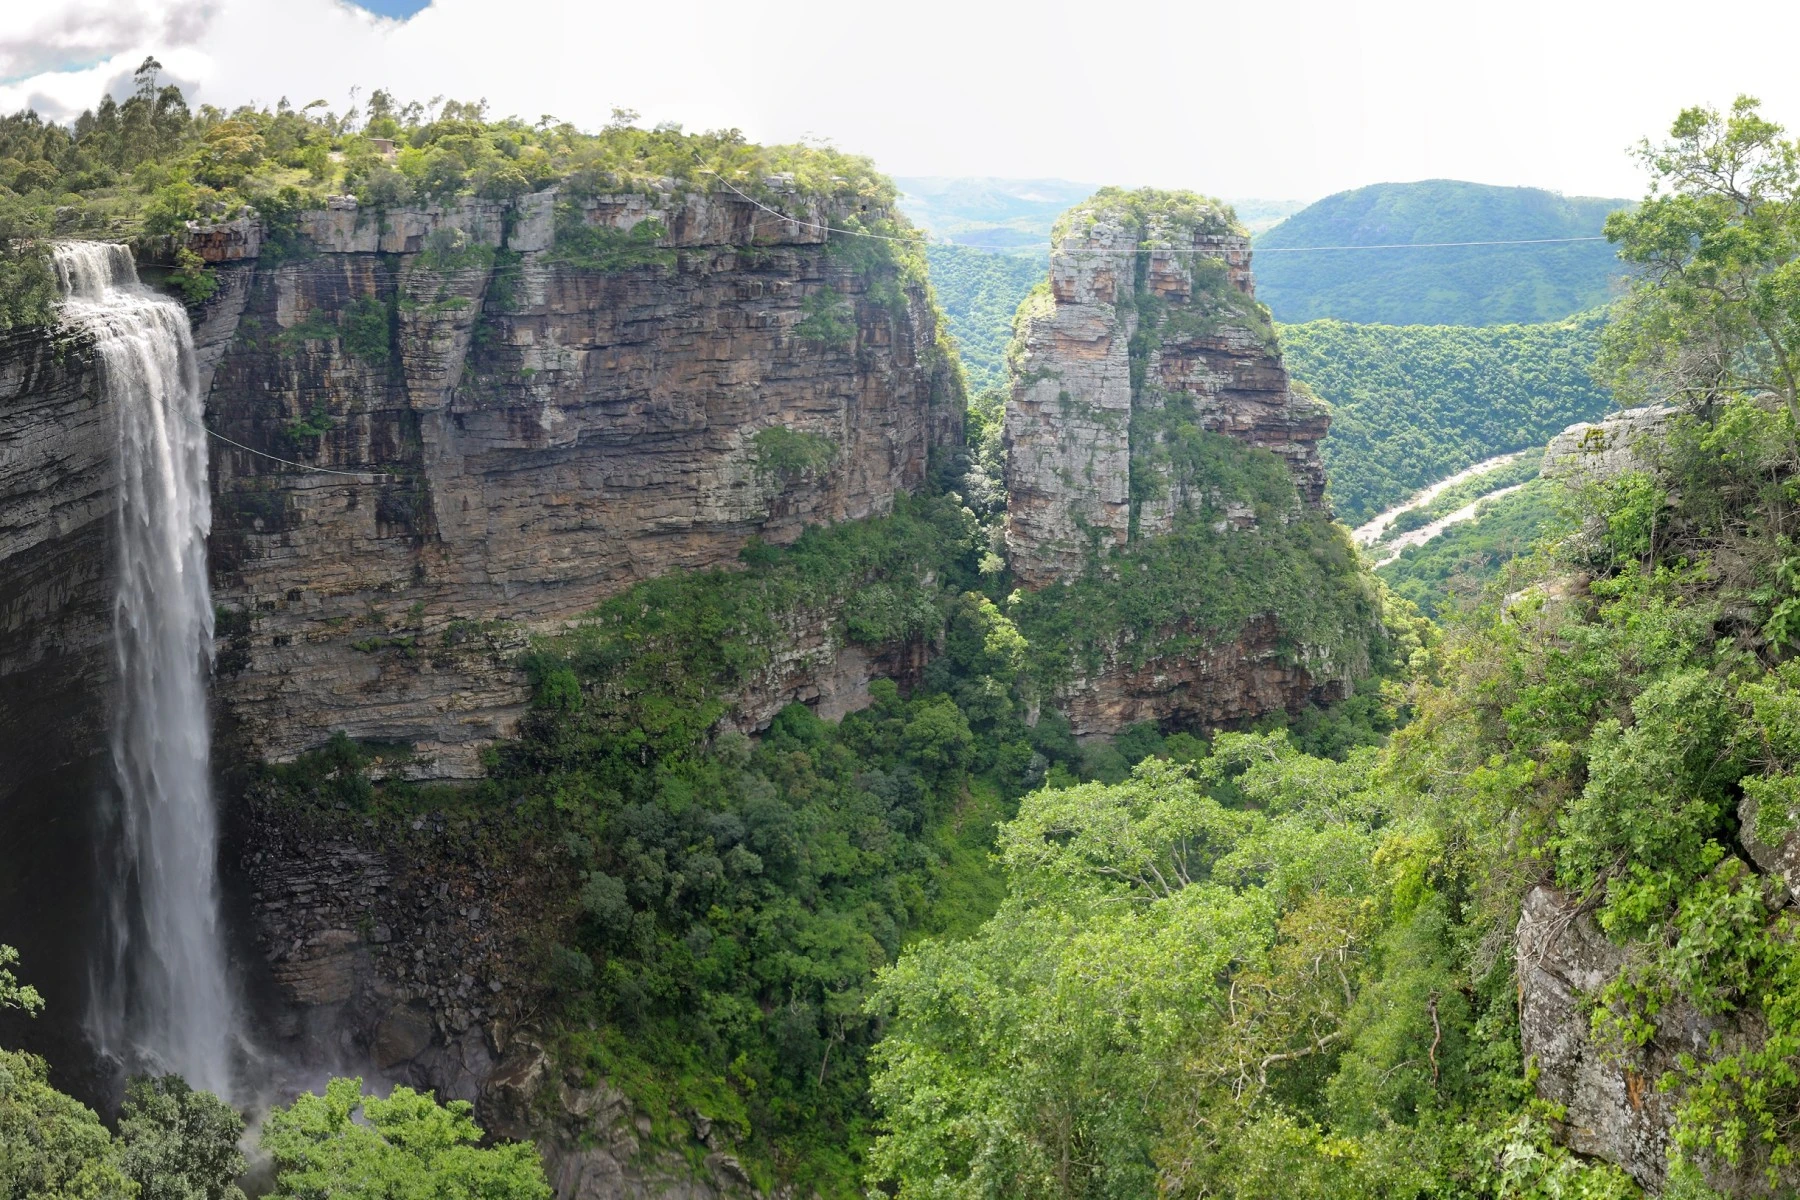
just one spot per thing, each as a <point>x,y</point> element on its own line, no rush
<point>1276,100</point>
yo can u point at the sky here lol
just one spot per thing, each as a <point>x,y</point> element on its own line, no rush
<point>1282,100</point>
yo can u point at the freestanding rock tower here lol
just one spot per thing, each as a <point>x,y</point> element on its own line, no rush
<point>1150,316</point>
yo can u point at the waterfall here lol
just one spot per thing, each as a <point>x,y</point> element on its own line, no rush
<point>162,999</point>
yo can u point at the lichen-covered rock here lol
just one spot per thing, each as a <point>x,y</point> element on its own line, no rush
<point>506,434</point>
<point>1614,1107</point>
<point>1779,858</point>
<point>1593,450</point>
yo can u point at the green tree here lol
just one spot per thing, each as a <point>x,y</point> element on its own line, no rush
<point>27,285</point>
<point>1714,310</point>
<point>179,1144</point>
<point>14,994</point>
<point>345,1145</point>
<point>51,1145</point>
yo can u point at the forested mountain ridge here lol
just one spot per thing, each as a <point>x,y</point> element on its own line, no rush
<point>1468,285</point>
<point>1412,404</point>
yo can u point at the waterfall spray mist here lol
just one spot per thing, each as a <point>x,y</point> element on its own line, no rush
<point>162,999</point>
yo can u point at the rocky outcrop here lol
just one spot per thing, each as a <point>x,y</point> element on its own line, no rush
<point>1593,450</point>
<point>497,433</point>
<point>1223,686</point>
<point>1613,1105</point>
<point>1150,314</point>
<point>410,947</point>
<point>1147,341</point>
<point>410,950</point>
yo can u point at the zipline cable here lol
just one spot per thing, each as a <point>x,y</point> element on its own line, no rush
<point>285,461</point>
<point>919,241</point>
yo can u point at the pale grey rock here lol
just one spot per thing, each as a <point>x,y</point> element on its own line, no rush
<point>1781,860</point>
<point>1615,1109</point>
<point>1589,451</point>
<point>1068,421</point>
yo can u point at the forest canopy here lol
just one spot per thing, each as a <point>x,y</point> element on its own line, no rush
<point>146,166</point>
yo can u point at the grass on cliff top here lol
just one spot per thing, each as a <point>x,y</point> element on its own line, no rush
<point>145,166</point>
<point>1156,216</point>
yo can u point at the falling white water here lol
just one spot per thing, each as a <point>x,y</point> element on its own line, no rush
<point>162,998</point>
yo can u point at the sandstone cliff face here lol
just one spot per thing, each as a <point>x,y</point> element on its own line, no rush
<point>1230,684</point>
<point>1149,329</point>
<point>1143,313</point>
<point>57,452</point>
<point>514,437</point>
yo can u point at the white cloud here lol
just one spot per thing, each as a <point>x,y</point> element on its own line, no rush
<point>75,34</point>
<point>1289,99</point>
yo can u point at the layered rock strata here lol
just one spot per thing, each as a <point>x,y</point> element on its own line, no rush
<point>1148,330</point>
<point>498,432</point>
<point>1224,686</point>
<point>57,474</point>
<point>1143,311</point>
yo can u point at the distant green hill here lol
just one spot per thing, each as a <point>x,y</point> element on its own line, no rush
<point>980,291</point>
<point>1414,403</point>
<point>995,214</point>
<point>1016,214</point>
<point>1471,285</point>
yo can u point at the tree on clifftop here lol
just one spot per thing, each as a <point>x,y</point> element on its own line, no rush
<point>1715,309</point>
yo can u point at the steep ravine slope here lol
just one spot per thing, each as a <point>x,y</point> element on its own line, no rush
<point>442,431</point>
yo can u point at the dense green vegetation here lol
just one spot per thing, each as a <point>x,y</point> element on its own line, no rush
<point>1259,973</point>
<point>980,292</point>
<point>345,1145</point>
<point>1470,285</point>
<point>1412,404</point>
<point>1200,585</point>
<point>1466,558</point>
<point>731,900</point>
<point>144,167</point>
